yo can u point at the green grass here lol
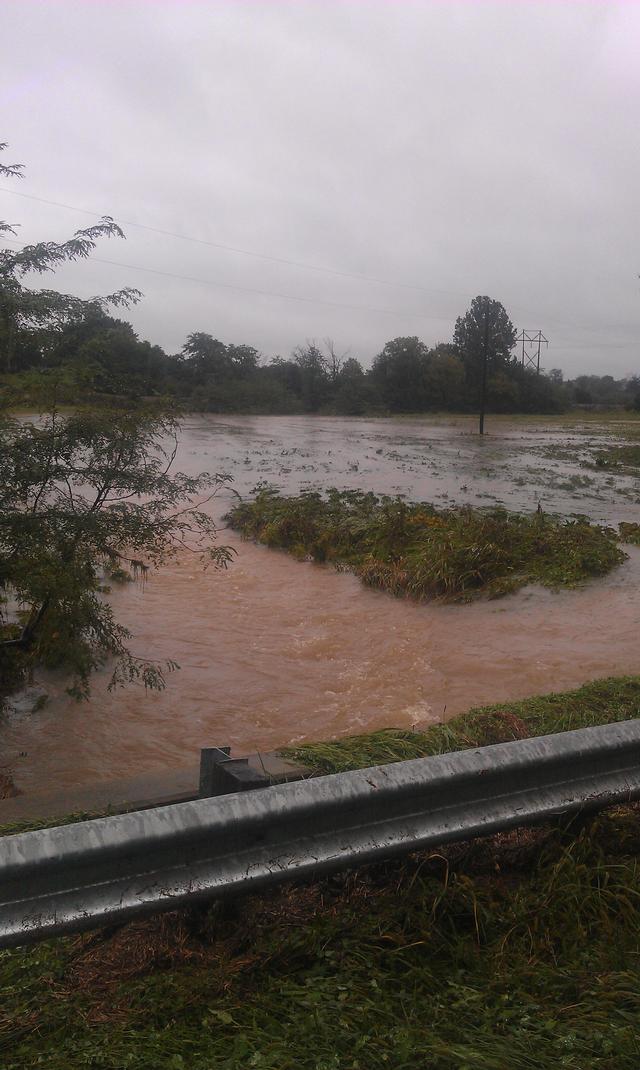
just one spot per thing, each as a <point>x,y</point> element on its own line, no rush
<point>514,953</point>
<point>422,552</point>
<point>601,702</point>
<point>29,825</point>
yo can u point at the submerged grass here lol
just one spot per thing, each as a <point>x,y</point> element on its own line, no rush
<point>419,551</point>
<point>519,952</point>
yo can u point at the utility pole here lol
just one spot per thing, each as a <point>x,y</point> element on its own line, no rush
<point>531,344</point>
<point>485,361</point>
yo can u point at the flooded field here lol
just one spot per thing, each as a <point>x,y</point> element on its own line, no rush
<point>518,464</point>
<point>276,650</point>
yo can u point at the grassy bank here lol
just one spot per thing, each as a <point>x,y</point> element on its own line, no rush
<point>419,551</point>
<point>514,953</point>
<point>601,702</point>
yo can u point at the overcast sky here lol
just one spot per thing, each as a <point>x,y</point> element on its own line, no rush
<point>443,150</point>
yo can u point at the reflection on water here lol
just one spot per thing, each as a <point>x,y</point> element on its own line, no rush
<point>276,650</point>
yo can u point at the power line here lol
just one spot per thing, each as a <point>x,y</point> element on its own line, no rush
<point>312,300</point>
<point>242,252</point>
<point>253,290</point>
<point>272,259</point>
<point>291,263</point>
<point>270,293</point>
<point>599,345</point>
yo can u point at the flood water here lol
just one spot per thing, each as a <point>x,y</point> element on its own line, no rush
<point>274,650</point>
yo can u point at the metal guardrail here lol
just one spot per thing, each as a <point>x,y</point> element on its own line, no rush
<point>107,870</point>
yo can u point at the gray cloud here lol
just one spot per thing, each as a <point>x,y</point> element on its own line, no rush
<point>455,148</point>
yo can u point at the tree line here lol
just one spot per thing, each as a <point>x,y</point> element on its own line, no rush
<point>105,356</point>
<point>97,353</point>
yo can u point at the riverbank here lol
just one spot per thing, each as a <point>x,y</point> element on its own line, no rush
<point>516,951</point>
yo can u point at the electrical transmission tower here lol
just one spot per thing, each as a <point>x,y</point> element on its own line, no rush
<point>531,342</point>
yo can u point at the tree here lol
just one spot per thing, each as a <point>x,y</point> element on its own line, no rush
<point>399,373</point>
<point>484,337</point>
<point>353,394</point>
<point>632,392</point>
<point>334,361</point>
<point>114,360</point>
<point>85,495</point>
<point>34,317</point>
<point>444,378</point>
<point>314,378</point>
<point>206,358</point>
<point>244,360</point>
<point>81,498</point>
<point>541,393</point>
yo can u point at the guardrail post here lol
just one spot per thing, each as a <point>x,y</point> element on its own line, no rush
<point>210,759</point>
<point>222,775</point>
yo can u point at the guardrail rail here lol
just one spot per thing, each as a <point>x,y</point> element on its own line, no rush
<point>109,869</point>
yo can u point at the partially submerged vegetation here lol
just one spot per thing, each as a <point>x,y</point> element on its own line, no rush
<point>619,457</point>
<point>425,552</point>
<point>630,532</point>
<point>518,951</point>
<point>601,702</point>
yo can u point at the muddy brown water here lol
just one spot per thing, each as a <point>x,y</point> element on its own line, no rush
<point>275,651</point>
